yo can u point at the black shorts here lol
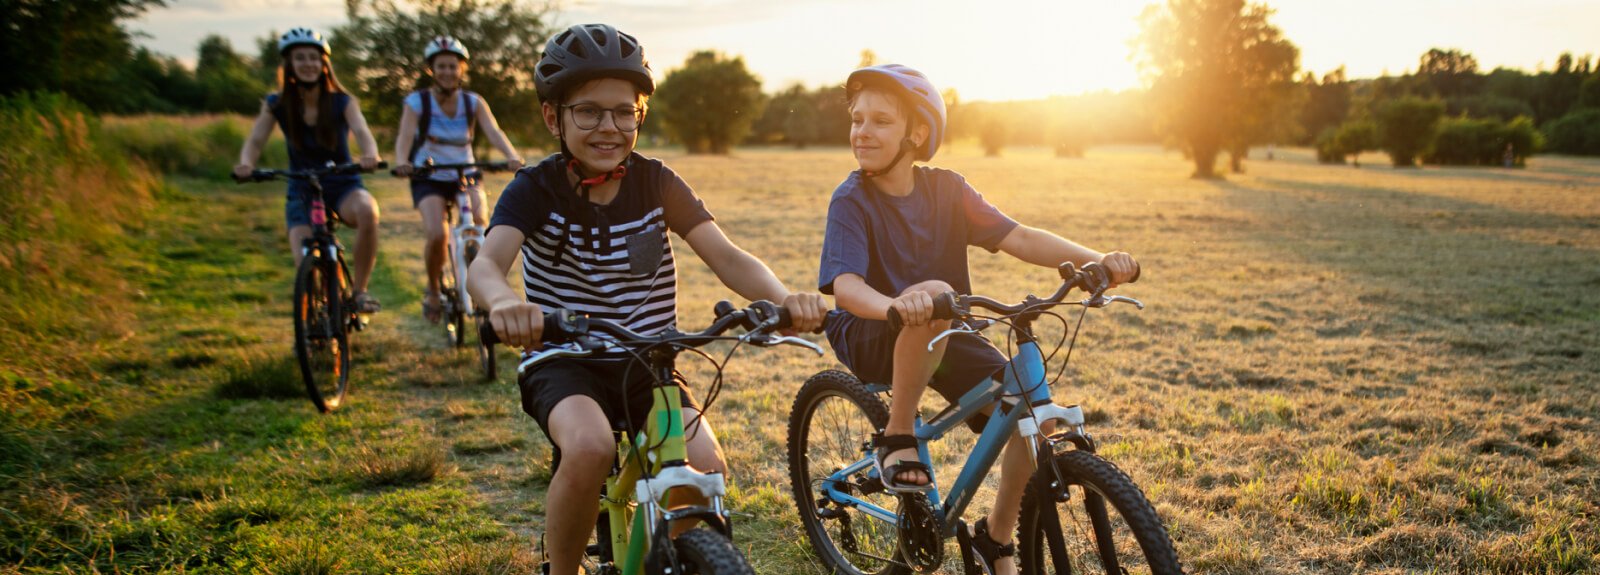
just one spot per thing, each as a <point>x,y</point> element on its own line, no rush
<point>866,346</point>
<point>545,385</point>
<point>422,188</point>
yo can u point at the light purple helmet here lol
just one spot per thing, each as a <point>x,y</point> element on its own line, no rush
<point>914,88</point>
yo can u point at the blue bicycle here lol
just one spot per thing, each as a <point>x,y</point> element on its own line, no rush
<point>1080,513</point>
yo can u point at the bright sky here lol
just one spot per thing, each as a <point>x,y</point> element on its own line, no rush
<point>986,49</point>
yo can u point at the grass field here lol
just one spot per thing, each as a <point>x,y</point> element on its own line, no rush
<point>1338,371</point>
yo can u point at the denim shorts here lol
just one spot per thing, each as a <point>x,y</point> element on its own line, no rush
<point>298,212</point>
<point>422,188</point>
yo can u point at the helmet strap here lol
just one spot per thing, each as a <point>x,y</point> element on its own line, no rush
<point>906,145</point>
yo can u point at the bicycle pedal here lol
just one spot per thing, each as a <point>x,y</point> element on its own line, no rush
<point>544,568</point>
<point>592,550</point>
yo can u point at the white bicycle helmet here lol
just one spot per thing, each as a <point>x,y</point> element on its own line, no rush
<point>444,44</point>
<point>302,36</point>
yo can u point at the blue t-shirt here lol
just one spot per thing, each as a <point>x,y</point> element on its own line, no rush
<point>310,155</point>
<point>896,242</point>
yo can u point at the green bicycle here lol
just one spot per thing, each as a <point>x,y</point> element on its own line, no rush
<point>654,461</point>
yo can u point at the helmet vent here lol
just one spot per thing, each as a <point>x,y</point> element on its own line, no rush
<point>627,45</point>
<point>550,69</point>
<point>577,50</point>
<point>599,36</point>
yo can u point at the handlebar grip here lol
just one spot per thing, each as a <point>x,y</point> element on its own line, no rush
<point>555,331</point>
<point>944,307</point>
<point>382,165</point>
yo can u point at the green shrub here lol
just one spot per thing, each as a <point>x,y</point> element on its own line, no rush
<point>1357,137</point>
<point>1406,128</point>
<point>1327,145</point>
<point>1575,133</point>
<point>1482,142</point>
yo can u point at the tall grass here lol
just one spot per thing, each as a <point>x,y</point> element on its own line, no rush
<point>204,146</point>
<point>68,209</point>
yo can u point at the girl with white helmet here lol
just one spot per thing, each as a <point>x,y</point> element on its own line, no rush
<point>317,116</point>
<point>438,124</point>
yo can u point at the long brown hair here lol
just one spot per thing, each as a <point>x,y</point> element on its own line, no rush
<point>289,95</point>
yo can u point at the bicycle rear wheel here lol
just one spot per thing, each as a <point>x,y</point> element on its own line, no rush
<point>704,552</point>
<point>830,428</point>
<point>320,341</point>
<point>1090,519</point>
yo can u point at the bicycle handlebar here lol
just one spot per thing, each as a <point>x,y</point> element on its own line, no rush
<point>429,168</point>
<point>566,326</point>
<point>341,169</point>
<point>1093,278</point>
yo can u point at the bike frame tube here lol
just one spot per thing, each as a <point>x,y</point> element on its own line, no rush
<point>664,426</point>
<point>459,239</point>
<point>1024,376</point>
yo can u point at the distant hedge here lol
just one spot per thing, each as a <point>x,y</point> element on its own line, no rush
<point>1483,142</point>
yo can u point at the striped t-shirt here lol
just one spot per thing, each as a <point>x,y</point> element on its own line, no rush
<point>608,261</point>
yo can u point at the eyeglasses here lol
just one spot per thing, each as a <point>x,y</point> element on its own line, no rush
<point>588,116</point>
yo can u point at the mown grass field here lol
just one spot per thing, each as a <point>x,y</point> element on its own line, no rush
<point>1338,371</point>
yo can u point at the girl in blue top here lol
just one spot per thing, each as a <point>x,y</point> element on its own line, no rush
<point>897,236</point>
<point>453,113</point>
<point>317,117</point>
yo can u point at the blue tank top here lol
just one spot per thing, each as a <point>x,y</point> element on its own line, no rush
<point>309,154</point>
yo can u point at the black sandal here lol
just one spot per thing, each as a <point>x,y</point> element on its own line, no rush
<point>886,444</point>
<point>988,549</point>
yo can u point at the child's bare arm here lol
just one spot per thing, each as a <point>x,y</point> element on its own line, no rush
<point>1042,248</point>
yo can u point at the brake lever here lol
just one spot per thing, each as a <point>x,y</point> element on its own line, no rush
<point>1103,301</point>
<point>782,339</point>
<point>952,331</point>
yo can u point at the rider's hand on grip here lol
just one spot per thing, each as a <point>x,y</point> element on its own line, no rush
<point>806,312</point>
<point>1120,268</point>
<point>517,324</point>
<point>941,307</point>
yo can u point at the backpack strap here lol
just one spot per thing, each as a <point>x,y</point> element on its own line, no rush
<point>472,119</point>
<point>423,122</point>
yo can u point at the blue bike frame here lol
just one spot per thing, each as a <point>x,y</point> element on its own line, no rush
<point>1024,378</point>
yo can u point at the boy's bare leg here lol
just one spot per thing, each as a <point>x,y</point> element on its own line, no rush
<point>913,366</point>
<point>579,427</point>
<point>1015,470</point>
<point>705,455</point>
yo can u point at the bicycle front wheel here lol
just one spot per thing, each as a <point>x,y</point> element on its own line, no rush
<point>486,359</point>
<point>704,552</point>
<point>1089,517</point>
<point>321,342</point>
<point>455,312</point>
<point>830,429</point>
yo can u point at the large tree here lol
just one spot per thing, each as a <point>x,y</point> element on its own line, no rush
<point>1216,70</point>
<point>379,55</point>
<point>1450,73</point>
<point>710,102</point>
<point>77,47</point>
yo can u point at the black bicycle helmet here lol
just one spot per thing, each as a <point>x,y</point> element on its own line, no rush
<point>588,51</point>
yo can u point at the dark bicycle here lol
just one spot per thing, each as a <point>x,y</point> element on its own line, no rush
<point>461,247</point>
<point>323,318</point>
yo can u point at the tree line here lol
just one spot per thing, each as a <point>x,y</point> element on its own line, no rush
<point>1220,78</point>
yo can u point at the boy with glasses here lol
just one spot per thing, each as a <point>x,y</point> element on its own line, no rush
<point>591,223</point>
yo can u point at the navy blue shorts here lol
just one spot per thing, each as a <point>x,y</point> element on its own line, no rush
<point>422,188</point>
<point>298,213</point>
<point>866,346</point>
